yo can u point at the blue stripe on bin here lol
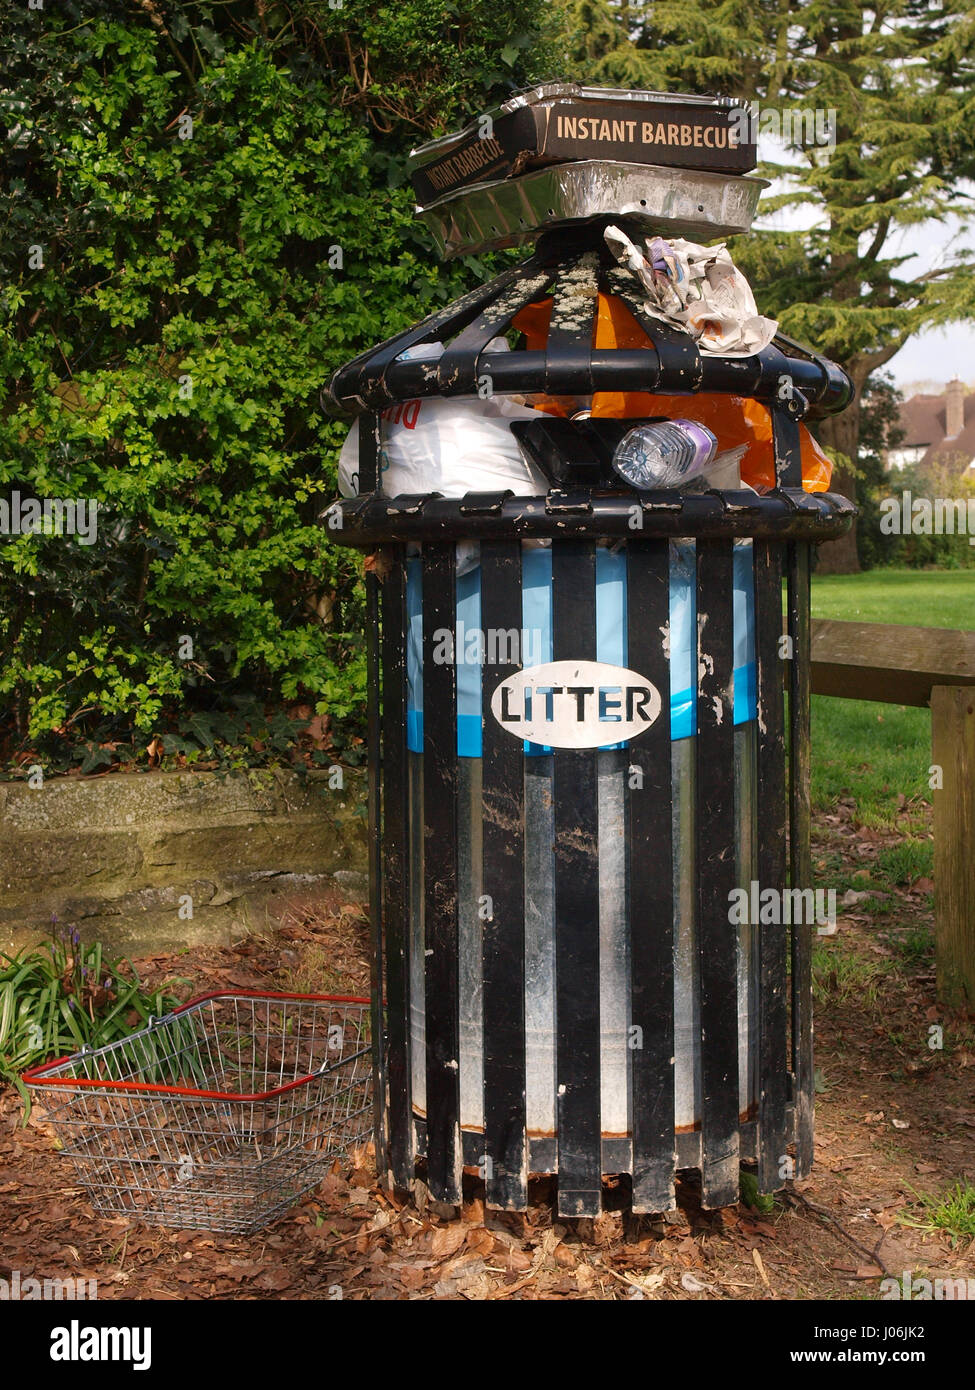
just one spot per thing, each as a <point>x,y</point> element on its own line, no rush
<point>745,689</point>
<point>414,654</point>
<point>469,671</point>
<point>683,637</point>
<point>746,704</point>
<point>683,640</point>
<point>536,613</point>
<point>611,613</point>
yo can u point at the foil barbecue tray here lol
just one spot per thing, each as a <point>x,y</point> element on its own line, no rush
<point>673,202</point>
<point>565,121</point>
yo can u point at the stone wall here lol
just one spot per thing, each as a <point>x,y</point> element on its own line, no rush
<point>128,857</point>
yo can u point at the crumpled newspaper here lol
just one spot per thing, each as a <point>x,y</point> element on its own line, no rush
<point>699,288</point>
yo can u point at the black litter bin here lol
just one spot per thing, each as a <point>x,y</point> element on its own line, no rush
<point>560,818</point>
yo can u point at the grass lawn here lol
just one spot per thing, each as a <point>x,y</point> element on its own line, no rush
<point>872,752</point>
<point>921,598</point>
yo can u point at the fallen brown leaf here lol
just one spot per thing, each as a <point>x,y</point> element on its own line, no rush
<point>446,1240</point>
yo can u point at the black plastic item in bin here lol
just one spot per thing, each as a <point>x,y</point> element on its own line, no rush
<point>595,882</point>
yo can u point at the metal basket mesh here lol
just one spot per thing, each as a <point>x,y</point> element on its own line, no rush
<point>290,1089</point>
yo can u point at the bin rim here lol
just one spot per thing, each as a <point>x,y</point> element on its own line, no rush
<point>783,514</point>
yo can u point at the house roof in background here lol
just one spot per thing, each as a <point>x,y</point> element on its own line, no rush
<point>923,420</point>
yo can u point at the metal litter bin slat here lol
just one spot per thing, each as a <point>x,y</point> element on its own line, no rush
<point>576,903</point>
<point>503,858</point>
<point>800,861</point>
<point>773,999</point>
<point>651,898</point>
<point>440,799</point>
<point>396,875</point>
<point>716,878</point>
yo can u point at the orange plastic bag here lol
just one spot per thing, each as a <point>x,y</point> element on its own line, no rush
<point>733,420</point>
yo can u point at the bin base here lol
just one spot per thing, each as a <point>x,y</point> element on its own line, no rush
<point>616,1157</point>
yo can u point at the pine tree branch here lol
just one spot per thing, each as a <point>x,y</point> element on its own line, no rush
<point>877,244</point>
<point>930,275</point>
<point>776,82</point>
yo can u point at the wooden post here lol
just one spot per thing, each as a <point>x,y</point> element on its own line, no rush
<point>915,666</point>
<point>953,745</point>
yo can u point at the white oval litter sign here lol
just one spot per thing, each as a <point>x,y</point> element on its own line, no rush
<point>576,704</point>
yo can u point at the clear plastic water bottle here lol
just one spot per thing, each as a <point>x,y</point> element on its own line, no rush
<point>664,453</point>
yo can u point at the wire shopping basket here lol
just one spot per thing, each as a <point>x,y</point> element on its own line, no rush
<point>218,1115</point>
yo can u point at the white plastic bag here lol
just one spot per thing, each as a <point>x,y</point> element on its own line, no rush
<point>449,445</point>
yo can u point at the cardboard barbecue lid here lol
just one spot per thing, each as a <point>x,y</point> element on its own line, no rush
<point>564,122</point>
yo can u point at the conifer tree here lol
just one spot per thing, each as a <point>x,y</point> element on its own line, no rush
<point>900,78</point>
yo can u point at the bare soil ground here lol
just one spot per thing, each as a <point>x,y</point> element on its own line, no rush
<point>895,1119</point>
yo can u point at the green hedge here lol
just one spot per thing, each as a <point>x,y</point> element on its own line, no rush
<point>198,285</point>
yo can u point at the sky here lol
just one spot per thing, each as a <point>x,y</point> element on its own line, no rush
<point>940,353</point>
<point>931,359</point>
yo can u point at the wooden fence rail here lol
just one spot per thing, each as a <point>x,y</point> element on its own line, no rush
<point>923,666</point>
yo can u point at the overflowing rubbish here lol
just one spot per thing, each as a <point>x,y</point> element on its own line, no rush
<point>509,212</point>
<point>451,445</point>
<point>737,422</point>
<point>699,288</point>
<point>565,122</point>
<point>664,453</point>
<point>564,152</point>
<point>460,444</point>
